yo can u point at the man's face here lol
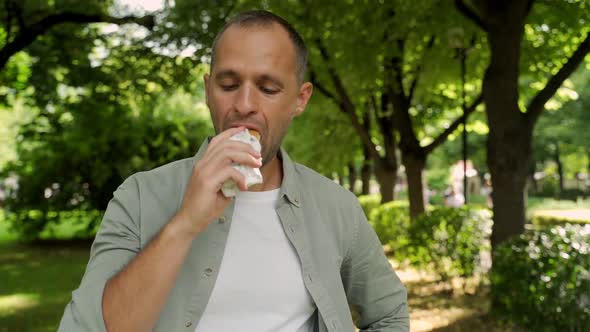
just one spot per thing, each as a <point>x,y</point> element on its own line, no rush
<point>254,84</point>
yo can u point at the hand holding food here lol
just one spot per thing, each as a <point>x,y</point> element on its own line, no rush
<point>252,175</point>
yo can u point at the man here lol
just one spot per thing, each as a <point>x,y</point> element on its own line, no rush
<point>294,253</point>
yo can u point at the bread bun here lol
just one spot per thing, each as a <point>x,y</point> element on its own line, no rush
<point>254,133</point>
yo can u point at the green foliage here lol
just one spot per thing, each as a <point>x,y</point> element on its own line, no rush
<point>322,138</point>
<point>541,280</point>
<point>450,241</point>
<point>438,178</point>
<point>37,224</point>
<point>74,159</point>
<point>391,222</point>
<point>552,31</point>
<point>563,132</point>
<point>369,203</point>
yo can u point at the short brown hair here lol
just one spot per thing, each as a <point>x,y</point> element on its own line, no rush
<point>265,18</point>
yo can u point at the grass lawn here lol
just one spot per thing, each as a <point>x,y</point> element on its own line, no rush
<point>36,282</point>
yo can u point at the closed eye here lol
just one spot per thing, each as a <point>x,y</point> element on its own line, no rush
<point>269,90</point>
<point>229,87</point>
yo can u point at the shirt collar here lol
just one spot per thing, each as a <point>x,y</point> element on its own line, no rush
<point>290,184</point>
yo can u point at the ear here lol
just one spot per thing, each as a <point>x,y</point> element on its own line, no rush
<point>207,87</point>
<point>303,96</point>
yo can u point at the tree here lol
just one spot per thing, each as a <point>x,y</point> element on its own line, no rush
<point>509,146</point>
<point>356,62</point>
<point>23,22</point>
<point>103,109</point>
<point>380,85</point>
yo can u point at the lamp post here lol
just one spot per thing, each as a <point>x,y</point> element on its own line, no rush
<point>456,41</point>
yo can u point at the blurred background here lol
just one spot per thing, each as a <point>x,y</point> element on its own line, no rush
<point>463,127</point>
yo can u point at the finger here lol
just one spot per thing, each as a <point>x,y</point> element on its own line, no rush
<point>231,145</point>
<point>228,147</point>
<point>228,173</point>
<point>224,135</point>
<point>232,156</point>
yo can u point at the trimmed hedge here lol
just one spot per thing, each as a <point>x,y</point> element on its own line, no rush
<point>541,279</point>
<point>369,203</point>
<point>452,242</point>
<point>36,224</point>
<point>391,221</point>
<point>449,241</point>
<point>541,219</point>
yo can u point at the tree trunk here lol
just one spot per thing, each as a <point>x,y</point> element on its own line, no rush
<point>509,149</point>
<point>557,158</point>
<point>414,173</point>
<point>351,177</point>
<point>337,178</point>
<point>366,177</point>
<point>386,176</point>
<point>508,163</point>
<point>366,172</point>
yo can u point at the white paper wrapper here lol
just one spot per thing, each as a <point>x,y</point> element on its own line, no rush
<point>253,175</point>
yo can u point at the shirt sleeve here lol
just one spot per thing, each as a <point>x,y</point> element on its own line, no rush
<point>374,291</point>
<point>115,245</point>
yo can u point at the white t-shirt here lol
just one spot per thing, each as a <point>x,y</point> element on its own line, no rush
<point>260,283</point>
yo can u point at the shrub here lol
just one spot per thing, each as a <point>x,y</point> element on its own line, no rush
<point>36,224</point>
<point>369,203</point>
<point>391,221</point>
<point>541,280</point>
<point>450,241</point>
<point>541,218</point>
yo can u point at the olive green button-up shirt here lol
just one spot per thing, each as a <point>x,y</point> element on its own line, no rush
<point>344,267</point>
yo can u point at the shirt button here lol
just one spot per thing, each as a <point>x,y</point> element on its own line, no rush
<point>291,229</point>
<point>309,278</point>
<point>188,323</point>
<point>208,271</point>
<point>335,324</point>
<point>222,219</point>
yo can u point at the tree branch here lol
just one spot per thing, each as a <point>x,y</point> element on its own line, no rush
<point>27,35</point>
<point>469,13</point>
<point>344,101</point>
<point>338,85</point>
<point>445,134</point>
<point>316,83</point>
<point>537,104</point>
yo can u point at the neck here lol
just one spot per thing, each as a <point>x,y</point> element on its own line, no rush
<point>272,175</point>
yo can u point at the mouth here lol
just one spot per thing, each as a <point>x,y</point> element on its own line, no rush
<point>246,125</point>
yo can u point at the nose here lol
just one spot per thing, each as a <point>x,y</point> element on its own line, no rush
<point>245,100</point>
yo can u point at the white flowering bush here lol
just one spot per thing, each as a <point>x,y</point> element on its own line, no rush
<point>541,280</point>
